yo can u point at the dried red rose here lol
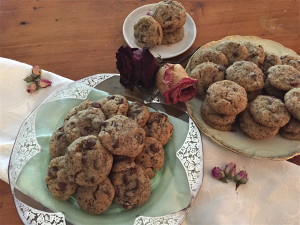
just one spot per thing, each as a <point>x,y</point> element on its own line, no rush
<point>137,67</point>
<point>174,84</point>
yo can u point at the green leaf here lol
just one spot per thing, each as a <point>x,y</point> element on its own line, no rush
<point>29,79</point>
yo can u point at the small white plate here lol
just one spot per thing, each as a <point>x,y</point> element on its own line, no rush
<point>164,51</point>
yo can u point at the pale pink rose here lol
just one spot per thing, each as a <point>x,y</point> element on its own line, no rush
<point>174,83</point>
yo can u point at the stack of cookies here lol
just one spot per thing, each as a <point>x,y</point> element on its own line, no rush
<point>163,25</point>
<point>292,102</point>
<point>107,151</point>
<point>265,77</point>
<point>264,117</point>
<point>224,101</point>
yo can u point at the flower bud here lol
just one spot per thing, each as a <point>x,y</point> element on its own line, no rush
<point>241,177</point>
<point>43,83</point>
<point>36,70</point>
<point>218,174</point>
<point>32,87</point>
<point>230,170</point>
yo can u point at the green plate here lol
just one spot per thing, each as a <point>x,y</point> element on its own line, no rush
<point>174,188</point>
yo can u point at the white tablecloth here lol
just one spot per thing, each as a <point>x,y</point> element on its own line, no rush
<point>271,196</point>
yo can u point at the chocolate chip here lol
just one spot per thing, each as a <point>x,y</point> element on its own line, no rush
<point>52,172</point>
<point>111,97</point>
<point>92,179</point>
<point>139,137</point>
<point>125,180</point>
<point>132,171</point>
<point>120,101</point>
<point>295,84</point>
<point>62,186</point>
<point>103,124</point>
<point>253,75</point>
<point>89,143</point>
<point>235,54</point>
<point>83,160</point>
<point>114,124</point>
<point>154,148</point>
<point>115,143</point>
<point>96,105</point>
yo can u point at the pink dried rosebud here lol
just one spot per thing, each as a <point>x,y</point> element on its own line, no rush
<point>241,178</point>
<point>43,83</point>
<point>218,174</point>
<point>174,83</point>
<point>230,170</point>
<point>36,70</point>
<point>32,87</point>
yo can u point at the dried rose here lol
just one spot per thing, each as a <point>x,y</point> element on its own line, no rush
<point>32,87</point>
<point>241,178</point>
<point>36,70</point>
<point>230,170</point>
<point>137,67</point>
<point>219,174</point>
<point>43,83</point>
<point>174,84</point>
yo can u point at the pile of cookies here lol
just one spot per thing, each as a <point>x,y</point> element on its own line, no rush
<point>241,83</point>
<point>161,26</point>
<point>107,151</point>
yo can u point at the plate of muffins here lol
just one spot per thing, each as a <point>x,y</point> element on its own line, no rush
<point>164,27</point>
<point>94,153</point>
<point>248,96</point>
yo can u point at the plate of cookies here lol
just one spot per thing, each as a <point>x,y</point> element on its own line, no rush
<point>164,27</point>
<point>248,96</point>
<point>94,153</point>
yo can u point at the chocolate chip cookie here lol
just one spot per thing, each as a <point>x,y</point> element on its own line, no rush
<point>148,32</point>
<point>57,179</point>
<point>96,199</point>
<point>173,37</point>
<point>114,105</point>
<point>206,74</point>
<point>291,130</point>
<point>226,97</point>
<point>139,113</point>
<point>121,135</point>
<point>255,130</point>
<point>159,127</point>
<point>215,118</point>
<point>58,143</point>
<point>151,159</point>
<point>269,111</point>
<point>270,60</point>
<point>131,183</point>
<point>171,15</point>
<point>85,122</point>
<point>247,74</point>
<point>82,106</point>
<point>291,60</point>
<point>234,51</point>
<point>87,161</point>
<point>284,77</point>
<point>292,102</point>
<point>207,55</point>
<point>256,53</point>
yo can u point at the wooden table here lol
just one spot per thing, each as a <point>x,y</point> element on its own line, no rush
<point>76,38</point>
